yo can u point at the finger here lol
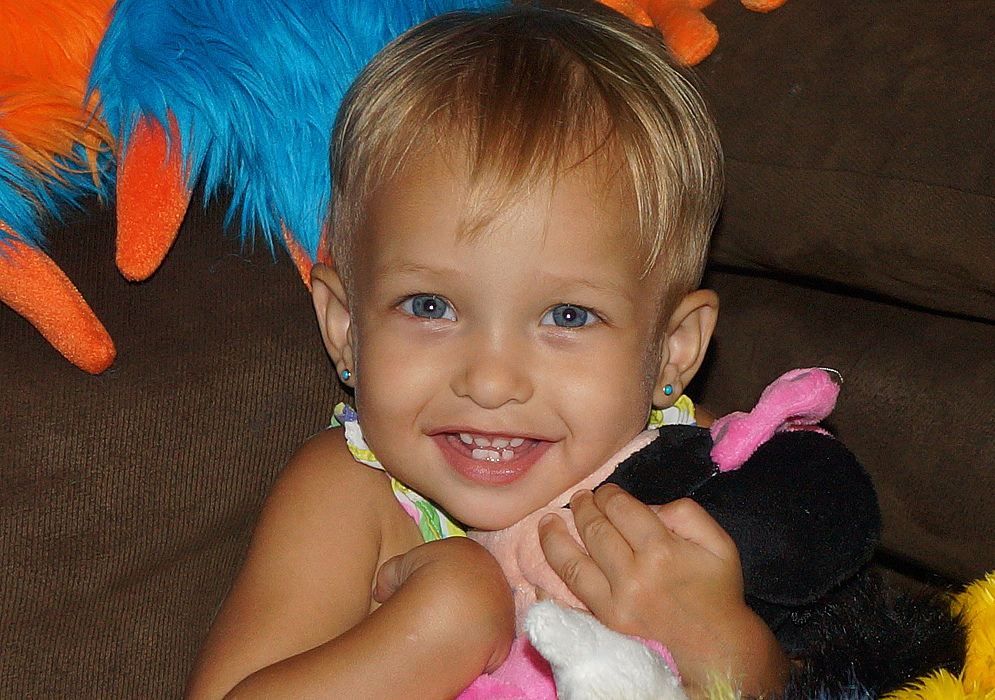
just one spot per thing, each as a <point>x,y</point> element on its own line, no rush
<point>636,522</point>
<point>605,544</point>
<point>571,563</point>
<point>689,521</point>
<point>391,576</point>
<point>396,571</point>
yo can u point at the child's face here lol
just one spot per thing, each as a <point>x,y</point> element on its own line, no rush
<point>493,373</point>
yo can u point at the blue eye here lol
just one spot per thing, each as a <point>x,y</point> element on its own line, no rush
<point>568,316</point>
<point>428,306</point>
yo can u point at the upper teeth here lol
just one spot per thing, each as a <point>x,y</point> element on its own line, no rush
<point>498,442</point>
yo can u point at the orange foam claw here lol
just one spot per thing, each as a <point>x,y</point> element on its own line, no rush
<point>763,5</point>
<point>302,261</point>
<point>688,33</point>
<point>36,288</point>
<point>152,198</point>
<point>632,9</point>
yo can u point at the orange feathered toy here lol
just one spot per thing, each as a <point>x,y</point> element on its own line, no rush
<point>689,34</point>
<point>52,152</point>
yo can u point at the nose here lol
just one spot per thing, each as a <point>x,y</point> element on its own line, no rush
<point>494,372</point>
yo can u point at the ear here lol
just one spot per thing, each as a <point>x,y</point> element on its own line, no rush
<point>332,308</point>
<point>689,331</point>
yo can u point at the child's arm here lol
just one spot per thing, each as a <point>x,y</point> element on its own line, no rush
<point>668,573</point>
<point>298,621</point>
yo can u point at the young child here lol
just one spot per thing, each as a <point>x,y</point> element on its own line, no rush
<point>521,208</point>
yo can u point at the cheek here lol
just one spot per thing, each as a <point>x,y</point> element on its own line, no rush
<point>609,387</point>
<point>374,371</point>
<point>650,371</point>
<point>393,375</point>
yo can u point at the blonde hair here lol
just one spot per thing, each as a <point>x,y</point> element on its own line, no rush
<point>520,90</point>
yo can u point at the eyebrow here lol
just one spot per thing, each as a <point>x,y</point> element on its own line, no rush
<point>414,269</point>
<point>599,286</point>
<point>557,280</point>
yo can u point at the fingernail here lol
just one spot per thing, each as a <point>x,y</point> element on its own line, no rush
<point>584,493</point>
<point>546,520</point>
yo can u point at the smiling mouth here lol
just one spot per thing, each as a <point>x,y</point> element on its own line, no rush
<point>490,459</point>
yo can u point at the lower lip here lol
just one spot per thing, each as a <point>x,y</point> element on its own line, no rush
<point>485,472</point>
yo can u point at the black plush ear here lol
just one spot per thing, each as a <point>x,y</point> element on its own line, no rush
<point>803,513</point>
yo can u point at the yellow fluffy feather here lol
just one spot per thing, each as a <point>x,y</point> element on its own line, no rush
<point>976,606</point>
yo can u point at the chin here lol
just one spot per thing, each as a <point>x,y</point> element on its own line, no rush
<point>491,522</point>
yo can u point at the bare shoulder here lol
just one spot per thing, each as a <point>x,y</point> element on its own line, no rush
<point>703,417</point>
<point>321,518</point>
<point>326,489</point>
<point>322,473</point>
<point>308,574</point>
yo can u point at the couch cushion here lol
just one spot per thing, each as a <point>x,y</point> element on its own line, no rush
<point>861,145</point>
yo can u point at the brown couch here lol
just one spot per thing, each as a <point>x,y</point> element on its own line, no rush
<point>858,234</point>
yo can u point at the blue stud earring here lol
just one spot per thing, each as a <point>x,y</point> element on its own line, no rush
<point>668,390</point>
<point>346,375</point>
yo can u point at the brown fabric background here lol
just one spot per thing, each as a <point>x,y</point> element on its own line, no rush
<point>861,162</point>
<point>126,499</point>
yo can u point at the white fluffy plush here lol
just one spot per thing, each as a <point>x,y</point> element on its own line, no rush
<point>592,662</point>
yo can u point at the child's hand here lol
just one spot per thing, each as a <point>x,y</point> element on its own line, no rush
<point>644,571</point>
<point>669,573</point>
<point>463,592</point>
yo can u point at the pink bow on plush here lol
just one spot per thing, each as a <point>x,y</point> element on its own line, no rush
<point>797,400</point>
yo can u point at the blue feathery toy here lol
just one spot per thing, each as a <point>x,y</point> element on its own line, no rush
<point>28,196</point>
<point>239,94</point>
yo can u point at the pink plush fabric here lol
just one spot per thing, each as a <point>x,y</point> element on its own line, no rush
<point>797,400</point>
<point>524,675</point>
